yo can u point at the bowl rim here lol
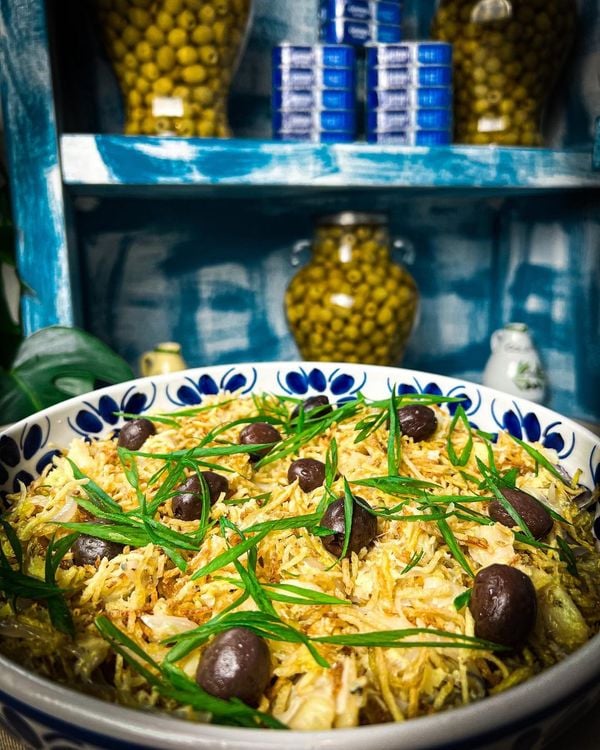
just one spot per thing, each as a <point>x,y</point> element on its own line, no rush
<point>300,364</point>
<point>537,696</point>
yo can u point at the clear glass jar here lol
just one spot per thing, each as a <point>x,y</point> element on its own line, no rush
<point>507,57</point>
<point>352,302</point>
<point>174,60</point>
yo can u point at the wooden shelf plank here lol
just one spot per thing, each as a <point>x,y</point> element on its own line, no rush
<point>105,160</point>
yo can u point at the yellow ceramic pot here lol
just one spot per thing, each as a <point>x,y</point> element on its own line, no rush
<point>507,56</point>
<point>175,60</point>
<point>162,359</point>
<point>352,302</point>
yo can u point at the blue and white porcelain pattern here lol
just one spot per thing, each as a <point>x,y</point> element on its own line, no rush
<point>48,716</point>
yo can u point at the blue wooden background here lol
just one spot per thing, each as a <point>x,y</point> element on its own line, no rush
<point>211,273</point>
<point>163,246</point>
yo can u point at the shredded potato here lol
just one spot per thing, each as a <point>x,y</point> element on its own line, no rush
<point>407,578</point>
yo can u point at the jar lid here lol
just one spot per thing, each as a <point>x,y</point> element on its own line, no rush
<point>168,347</point>
<point>351,219</point>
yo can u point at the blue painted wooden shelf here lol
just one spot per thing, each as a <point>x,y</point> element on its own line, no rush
<point>105,160</point>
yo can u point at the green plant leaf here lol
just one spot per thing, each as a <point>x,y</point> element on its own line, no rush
<point>53,364</point>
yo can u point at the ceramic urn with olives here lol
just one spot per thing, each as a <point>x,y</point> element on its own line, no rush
<point>352,302</point>
<point>507,55</point>
<point>174,60</point>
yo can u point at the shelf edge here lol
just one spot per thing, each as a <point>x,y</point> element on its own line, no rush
<point>105,160</point>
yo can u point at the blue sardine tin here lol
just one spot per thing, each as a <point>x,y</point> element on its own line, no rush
<point>426,119</point>
<point>357,10</point>
<point>359,33</point>
<point>306,56</point>
<point>387,32</point>
<point>387,13</point>
<point>412,138</point>
<point>342,31</point>
<point>314,78</point>
<point>413,75</point>
<point>394,55</point>
<point>381,11</point>
<point>394,99</point>
<point>344,122</point>
<point>314,136</point>
<point>293,101</point>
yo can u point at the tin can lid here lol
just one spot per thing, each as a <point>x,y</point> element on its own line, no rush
<point>352,218</point>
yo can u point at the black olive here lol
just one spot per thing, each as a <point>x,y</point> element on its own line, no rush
<point>257,433</point>
<point>362,532</point>
<point>187,503</point>
<point>536,517</point>
<point>236,664</point>
<point>317,405</point>
<point>418,422</point>
<point>135,433</point>
<point>309,472</point>
<point>503,605</point>
<point>87,549</point>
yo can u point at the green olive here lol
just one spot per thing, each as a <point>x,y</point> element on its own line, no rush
<point>154,36</point>
<point>130,36</point>
<point>164,21</point>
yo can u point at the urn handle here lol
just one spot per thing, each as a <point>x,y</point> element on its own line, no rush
<point>403,251</point>
<point>497,339</point>
<point>300,253</point>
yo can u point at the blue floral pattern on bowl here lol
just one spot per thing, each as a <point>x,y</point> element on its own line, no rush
<point>93,419</point>
<point>527,426</point>
<point>30,443</point>
<point>193,390</point>
<point>343,386</point>
<point>470,396</point>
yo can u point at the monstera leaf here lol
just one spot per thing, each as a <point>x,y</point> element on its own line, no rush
<point>54,364</point>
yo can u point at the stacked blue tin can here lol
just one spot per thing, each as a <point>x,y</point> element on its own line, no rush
<point>409,94</point>
<point>359,22</point>
<point>314,93</point>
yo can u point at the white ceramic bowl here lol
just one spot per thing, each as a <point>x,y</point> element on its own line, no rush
<point>47,715</point>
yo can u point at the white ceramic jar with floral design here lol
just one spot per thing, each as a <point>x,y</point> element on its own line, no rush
<point>514,365</point>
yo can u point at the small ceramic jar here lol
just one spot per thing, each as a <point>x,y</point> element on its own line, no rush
<point>163,358</point>
<point>515,366</point>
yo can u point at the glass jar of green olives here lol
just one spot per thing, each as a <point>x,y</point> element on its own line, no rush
<point>174,60</point>
<point>352,302</point>
<point>507,56</point>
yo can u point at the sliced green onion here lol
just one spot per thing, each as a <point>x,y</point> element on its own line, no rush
<point>463,459</point>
